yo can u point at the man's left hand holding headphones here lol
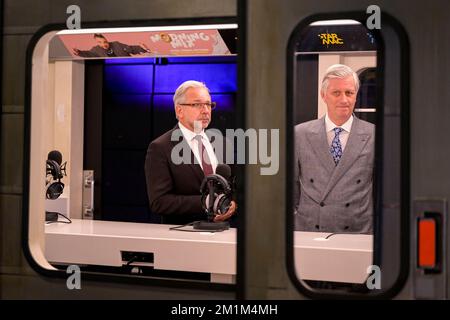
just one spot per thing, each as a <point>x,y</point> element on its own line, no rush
<point>227,215</point>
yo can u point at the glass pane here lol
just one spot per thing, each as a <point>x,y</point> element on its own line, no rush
<point>334,151</point>
<point>99,117</point>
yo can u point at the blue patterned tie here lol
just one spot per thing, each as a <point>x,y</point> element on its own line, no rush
<point>336,147</point>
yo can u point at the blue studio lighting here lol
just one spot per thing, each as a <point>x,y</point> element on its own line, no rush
<point>151,76</point>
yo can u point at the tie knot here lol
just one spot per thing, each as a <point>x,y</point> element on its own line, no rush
<point>198,138</point>
<point>337,130</point>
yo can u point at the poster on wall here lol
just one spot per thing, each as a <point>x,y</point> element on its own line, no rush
<point>138,44</point>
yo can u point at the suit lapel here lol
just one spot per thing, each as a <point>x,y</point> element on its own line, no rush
<point>318,142</point>
<point>195,167</point>
<point>355,144</point>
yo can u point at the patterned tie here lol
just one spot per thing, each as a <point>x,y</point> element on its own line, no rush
<point>206,162</point>
<point>336,147</point>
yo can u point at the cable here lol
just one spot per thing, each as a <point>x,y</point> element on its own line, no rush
<point>57,221</point>
<point>178,228</point>
<point>336,233</point>
<point>133,259</point>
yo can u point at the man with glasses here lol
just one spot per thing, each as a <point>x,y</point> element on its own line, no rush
<point>174,189</point>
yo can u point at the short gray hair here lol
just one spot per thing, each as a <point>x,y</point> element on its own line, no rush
<point>339,71</point>
<point>185,86</point>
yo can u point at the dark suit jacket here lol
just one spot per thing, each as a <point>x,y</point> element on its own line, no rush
<point>173,189</point>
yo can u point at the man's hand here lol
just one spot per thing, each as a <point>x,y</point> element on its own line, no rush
<point>143,46</point>
<point>76,51</point>
<point>226,215</point>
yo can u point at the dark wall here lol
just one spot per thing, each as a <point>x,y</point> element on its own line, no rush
<point>306,77</point>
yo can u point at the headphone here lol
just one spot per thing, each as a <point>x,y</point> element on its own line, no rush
<point>54,189</point>
<point>222,194</point>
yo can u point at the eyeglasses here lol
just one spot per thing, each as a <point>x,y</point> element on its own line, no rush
<point>200,105</point>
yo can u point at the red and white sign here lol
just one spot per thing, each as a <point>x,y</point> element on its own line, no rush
<point>145,43</point>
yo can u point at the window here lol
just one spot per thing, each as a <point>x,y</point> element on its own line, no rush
<point>100,112</point>
<point>343,196</point>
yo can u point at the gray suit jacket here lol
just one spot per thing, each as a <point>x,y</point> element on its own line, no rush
<point>330,198</point>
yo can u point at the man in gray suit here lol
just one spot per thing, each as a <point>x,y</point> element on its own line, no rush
<point>334,160</point>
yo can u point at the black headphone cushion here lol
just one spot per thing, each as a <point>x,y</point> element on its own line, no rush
<point>222,201</point>
<point>222,204</point>
<point>54,190</point>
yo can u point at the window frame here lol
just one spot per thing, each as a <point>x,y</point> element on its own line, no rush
<point>378,174</point>
<point>99,276</point>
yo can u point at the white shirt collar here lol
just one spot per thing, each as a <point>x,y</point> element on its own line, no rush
<point>190,135</point>
<point>329,125</point>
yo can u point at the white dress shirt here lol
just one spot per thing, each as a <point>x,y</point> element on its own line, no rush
<point>343,136</point>
<point>193,144</point>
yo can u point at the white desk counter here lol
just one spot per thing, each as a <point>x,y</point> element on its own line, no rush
<point>94,242</point>
<point>342,258</point>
